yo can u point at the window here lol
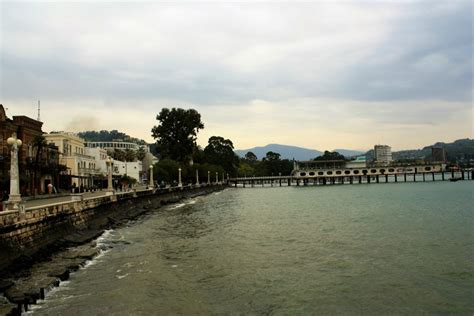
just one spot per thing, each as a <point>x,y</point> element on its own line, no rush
<point>373,171</point>
<point>320,173</point>
<point>338,172</point>
<point>356,171</point>
<point>302,174</point>
<point>427,168</point>
<point>311,173</point>
<point>329,173</point>
<point>347,172</point>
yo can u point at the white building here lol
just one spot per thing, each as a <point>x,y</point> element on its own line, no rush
<point>359,162</point>
<point>132,169</point>
<point>120,145</point>
<point>82,168</point>
<point>383,154</point>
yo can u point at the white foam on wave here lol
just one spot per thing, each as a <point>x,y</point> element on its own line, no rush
<point>96,259</point>
<point>177,206</point>
<point>122,276</point>
<point>190,202</point>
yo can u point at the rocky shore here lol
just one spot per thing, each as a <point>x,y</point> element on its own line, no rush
<point>31,275</point>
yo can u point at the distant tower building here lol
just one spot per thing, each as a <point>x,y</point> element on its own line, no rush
<point>383,154</point>
<point>438,154</point>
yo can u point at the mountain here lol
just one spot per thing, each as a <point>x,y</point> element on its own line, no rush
<point>459,150</point>
<point>286,152</point>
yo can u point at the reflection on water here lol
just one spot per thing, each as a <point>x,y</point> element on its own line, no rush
<point>377,249</point>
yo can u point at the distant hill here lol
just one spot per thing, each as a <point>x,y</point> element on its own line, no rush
<point>286,152</point>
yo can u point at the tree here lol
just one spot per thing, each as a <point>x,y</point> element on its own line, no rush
<point>130,155</point>
<point>38,143</point>
<point>141,153</point>
<point>272,156</point>
<point>330,156</point>
<point>250,157</point>
<point>220,151</point>
<point>176,133</point>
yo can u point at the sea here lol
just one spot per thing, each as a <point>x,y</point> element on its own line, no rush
<point>372,249</point>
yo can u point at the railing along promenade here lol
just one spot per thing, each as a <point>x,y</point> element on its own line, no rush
<point>297,180</point>
<point>54,205</point>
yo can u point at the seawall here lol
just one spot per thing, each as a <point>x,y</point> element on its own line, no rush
<point>32,236</point>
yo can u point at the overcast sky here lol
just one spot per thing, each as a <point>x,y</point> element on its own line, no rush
<point>319,74</point>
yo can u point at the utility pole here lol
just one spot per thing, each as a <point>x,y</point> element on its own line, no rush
<point>39,116</point>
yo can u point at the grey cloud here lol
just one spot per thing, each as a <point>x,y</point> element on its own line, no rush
<point>427,55</point>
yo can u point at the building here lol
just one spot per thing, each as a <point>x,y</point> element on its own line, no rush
<point>359,162</point>
<point>82,169</point>
<point>131,169</point>
<point>117,145</point>
<point>37,166</point>
<point>383,155</point>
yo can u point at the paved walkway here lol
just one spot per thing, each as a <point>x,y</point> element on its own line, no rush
<point>67,198</point>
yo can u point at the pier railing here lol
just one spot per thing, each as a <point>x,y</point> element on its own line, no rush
<point>315,179</point>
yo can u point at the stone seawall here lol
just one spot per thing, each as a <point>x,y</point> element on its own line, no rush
<point>32,236</point>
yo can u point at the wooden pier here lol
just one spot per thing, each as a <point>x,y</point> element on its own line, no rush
<point>280,181</point>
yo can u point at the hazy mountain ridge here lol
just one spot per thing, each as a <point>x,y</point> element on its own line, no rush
<point>290,152</point>
<point>286,152</point>
<point>459,149</point>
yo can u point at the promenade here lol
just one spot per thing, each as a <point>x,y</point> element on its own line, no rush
<point>43,200</point>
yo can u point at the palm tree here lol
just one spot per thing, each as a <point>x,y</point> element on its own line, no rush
<point>39,142</point>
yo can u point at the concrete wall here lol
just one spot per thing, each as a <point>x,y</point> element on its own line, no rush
<point>49,226</point>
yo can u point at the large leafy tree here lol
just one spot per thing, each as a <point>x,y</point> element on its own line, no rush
<point>330,156</point>
<point>272,156</point>
<point>220,151</point>
<point>176,133</point>
<point>250,157</point>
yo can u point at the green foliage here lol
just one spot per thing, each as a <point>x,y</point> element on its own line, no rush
<point>250,157</point>
<point>271,164</point>
<point>166,170</point>
<point>220,151</point>
<point>330,156</point>
<point>127,180</point>
<point>123,155</point>
<point>176,133</point>
<point>141,153</point>
<point>272,156</point>
<point>246,170</point>
<point>109,136</point>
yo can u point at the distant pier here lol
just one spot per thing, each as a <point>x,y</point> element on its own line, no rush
<point>331,177</point>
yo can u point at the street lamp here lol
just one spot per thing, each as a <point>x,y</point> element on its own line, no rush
<point>110,163</point>
<point>197,177</point>
<point>208,177</point>
<point>217,177</point>
<point>151,177</point>
<point>179,178</point>
<point>14,199</point>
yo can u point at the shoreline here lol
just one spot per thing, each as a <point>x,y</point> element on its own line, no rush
<point>29,278</point>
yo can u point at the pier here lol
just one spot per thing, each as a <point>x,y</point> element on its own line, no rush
<point>333,178</point>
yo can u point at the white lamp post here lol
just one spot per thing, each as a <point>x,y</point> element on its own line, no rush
<point>197,177</point>
<point>14,199</point>
<point>208,177</point>
<point>179,178</point>
<point>151,177</point>
<point>217,177</point>
<point>110,163</point>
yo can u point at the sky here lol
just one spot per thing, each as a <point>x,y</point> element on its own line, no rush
<point>315,74</point>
